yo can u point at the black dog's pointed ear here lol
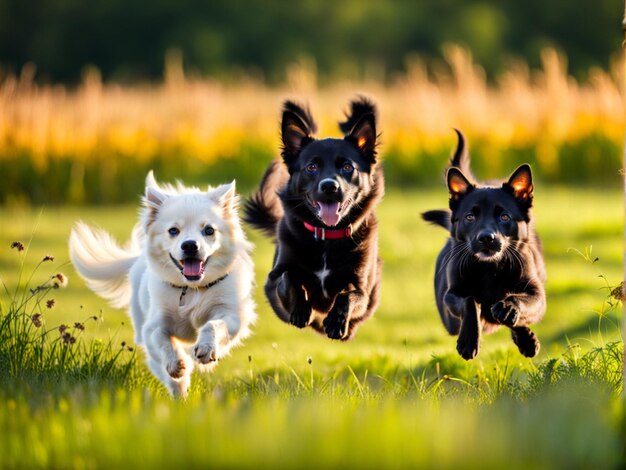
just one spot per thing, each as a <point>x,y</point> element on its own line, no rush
<point>360,126</point>
<point>297,129</point>
<point>458,184</point>
<point>364,133</point>
<point>521,183</point>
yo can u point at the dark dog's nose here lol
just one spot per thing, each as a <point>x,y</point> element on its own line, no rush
<point>329,186</point>
<point>486,239</point>
<point>189,247</point>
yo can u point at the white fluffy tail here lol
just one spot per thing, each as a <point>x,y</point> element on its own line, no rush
<point>103,263</point>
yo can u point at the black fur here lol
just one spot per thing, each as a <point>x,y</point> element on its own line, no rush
<point>491,270</point>
<point>316,174</point>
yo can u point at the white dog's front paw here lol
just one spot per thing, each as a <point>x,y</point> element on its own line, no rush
<point>205,353</point>
<point>176,368</point>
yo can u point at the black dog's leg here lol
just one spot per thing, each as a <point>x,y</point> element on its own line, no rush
<point>348,305</point>
<point>521,309</point>
<point>336,322</point>
<point>526,341</point>
<point>288,299</point>
<point>454,303</point>
<point>468,342</point>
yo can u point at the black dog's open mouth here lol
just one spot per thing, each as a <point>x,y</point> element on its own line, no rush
<point>329,212</point>
<point>191,268</point>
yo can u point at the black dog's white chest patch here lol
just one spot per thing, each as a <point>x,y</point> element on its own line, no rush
<point>322,274</point>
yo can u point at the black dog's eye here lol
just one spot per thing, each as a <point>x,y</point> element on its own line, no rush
<point>470,217</point>
<point>208,231</point>
<point>504,217</point>
<point>173,231</point>
<point>347,167</point>
<point>311,168</point>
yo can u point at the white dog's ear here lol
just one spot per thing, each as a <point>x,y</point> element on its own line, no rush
<point>154,196</point>
<point>153,199</point>
<point>227,197</point>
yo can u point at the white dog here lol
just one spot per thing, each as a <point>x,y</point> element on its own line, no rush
<point>186,274</point>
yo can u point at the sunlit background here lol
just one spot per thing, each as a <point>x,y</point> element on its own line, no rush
<point>94,94</point>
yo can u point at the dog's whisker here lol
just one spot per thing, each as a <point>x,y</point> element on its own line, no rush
<point>450,255</point>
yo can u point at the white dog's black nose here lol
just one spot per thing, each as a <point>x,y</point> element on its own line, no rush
<point>189,247</point>
<point>329,186</point>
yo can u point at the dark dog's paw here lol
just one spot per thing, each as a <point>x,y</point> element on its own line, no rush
<point>505,313</point>
<point>298,308</point>
<point>301,316</point>
<point>526,341</point>
<point>336,326</point>
<point>468,349</point>
<point>285,292</point>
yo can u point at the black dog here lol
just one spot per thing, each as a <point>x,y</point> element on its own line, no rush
<point>491,270</point>
<point>319,204</point>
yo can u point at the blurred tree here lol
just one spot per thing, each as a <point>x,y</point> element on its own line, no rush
<point>128,40</point>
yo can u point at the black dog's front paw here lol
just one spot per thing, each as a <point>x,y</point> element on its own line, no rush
<point>505,312</point>
<point>298,308</point>
<point>526,341</point>
<point>300,317</point>
<point>336,323</point>
<point>468,348</point>
<point>336,326</point>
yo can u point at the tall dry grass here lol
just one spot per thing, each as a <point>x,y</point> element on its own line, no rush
<point>111,127</point>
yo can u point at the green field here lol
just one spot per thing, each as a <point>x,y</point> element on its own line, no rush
<point>396,396</point>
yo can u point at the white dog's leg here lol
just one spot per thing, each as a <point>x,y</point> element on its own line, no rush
<point>137,318</point>
<point>177,387</point>
<point>215,337</point>
<point>167,359</point>
<point>140,298</point>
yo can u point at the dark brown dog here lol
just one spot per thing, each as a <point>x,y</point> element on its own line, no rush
<point>491,270</point>
<point>319,204</point>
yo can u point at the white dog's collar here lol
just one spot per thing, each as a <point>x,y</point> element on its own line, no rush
<point>181,301</point>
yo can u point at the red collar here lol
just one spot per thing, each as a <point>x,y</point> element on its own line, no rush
<point>327,234</point>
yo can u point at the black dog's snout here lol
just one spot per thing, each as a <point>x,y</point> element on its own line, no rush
<point>189,247</point>
<point>487,239</point>
<point>329,186</point>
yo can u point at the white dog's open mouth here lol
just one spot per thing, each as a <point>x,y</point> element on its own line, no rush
<point>191,268</point>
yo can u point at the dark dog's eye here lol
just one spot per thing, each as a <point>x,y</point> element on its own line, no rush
<point>347,168</point>
<point>311,168</point>
<point>173,231</point>
<point>208,231</point>
<point>504,217</point>
<point>470,217</point>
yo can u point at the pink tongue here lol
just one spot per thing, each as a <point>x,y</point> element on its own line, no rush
<point>193,267</point>
<point>329,213</point>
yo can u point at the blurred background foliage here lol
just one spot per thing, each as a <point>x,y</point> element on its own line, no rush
<point>347,39</point>
<point>94,94</point>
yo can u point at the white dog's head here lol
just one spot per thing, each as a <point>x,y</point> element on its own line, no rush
<point>192,235</point>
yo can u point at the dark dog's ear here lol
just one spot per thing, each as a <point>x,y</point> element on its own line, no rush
<point>297,129</point>
<point>360,127</point>
<point>521,183</point>
<point>458,184</point>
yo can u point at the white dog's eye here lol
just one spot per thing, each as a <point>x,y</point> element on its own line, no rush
<point>208,231</point>
<point>173,231</point>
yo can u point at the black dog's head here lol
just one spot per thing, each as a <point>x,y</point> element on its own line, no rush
<point>329,178</point>
<point>489,220</point>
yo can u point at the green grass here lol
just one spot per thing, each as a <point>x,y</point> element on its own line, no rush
<point>396,396</point>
